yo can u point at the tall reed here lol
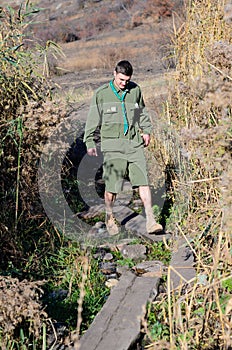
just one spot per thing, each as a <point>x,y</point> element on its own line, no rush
<point>199,111</point>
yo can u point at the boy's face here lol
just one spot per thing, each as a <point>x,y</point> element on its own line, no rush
<point>121,80</point>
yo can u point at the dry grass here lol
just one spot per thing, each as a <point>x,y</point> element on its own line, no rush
<point>195,144</point>
<point>20,308</point>
<point>101,57</point>
<point>199,112</point>
<point>102,52</point>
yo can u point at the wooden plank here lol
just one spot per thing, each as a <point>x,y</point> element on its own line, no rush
<point>117,325</point>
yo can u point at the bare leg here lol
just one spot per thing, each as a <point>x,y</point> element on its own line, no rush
<point>109,201</point>
<point>111,225</point>
<point>145,195</point>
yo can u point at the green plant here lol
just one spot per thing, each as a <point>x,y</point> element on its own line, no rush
<point>227,284</point>
<point>158,328</point>
<point>64,276</point>
<point>159,251</point>
<point>126,262</point>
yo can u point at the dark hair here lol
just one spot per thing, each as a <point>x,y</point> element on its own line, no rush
<point>124,67</point>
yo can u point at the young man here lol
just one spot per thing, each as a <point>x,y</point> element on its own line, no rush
<point>118,110</point>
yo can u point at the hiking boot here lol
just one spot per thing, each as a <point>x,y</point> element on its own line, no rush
<point>111,225</point>
<point>153,227</point>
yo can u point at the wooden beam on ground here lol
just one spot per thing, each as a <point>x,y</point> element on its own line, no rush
<point>117,326</point>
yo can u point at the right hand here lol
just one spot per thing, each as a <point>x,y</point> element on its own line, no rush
<point>92,152</point>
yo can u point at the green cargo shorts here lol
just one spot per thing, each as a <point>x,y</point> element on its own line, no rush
<point>118,165</point>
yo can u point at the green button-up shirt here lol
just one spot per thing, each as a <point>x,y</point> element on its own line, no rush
<point>106,112</point>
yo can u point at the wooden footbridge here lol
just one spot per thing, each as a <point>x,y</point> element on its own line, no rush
<point>118,325</point>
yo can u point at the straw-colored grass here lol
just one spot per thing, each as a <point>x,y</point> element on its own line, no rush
<point>192,141</point>
<point>103,51</point>
<point>199,112</point>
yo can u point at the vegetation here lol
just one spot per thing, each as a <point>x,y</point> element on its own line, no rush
<point>47,279</point>
<point>199,111</point>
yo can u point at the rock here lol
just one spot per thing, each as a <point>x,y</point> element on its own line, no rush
<point>134,251</point>
<point>97,233</point>
<point>108,257</point>
<point>155,273</point>
<point>92,212</point>
<point>59,294</point>
<point>112,282</point>
<point>112,275</point>
<point>149,269</point>
<point>99,224</point>
<point>56,335</point>
<point>122,242</point>
<point>102,230</point>
<point>136,224</point>
<point>100,253</point>
<point>92,231</point>
<point>108,268</point>
<point>122,269</point>
<point>136,208</point>
<point>182,271</point>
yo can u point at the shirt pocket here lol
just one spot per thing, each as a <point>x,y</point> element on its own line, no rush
<point>111,121</point>
<point>110,113</point>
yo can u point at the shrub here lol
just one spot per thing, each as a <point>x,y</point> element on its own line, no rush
<point>21,311</point>
<point>25,124</point>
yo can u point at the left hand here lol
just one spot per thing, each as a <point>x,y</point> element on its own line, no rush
<point>146,139</point>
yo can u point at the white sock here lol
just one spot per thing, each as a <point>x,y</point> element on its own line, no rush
<point>149,213</point>
<point>109,213</point>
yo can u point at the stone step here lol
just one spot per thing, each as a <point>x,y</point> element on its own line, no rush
<point>182,271</point>
<point>117,326</point>
<point>136,223</point>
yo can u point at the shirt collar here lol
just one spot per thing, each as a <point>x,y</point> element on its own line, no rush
<point>119,90</point>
